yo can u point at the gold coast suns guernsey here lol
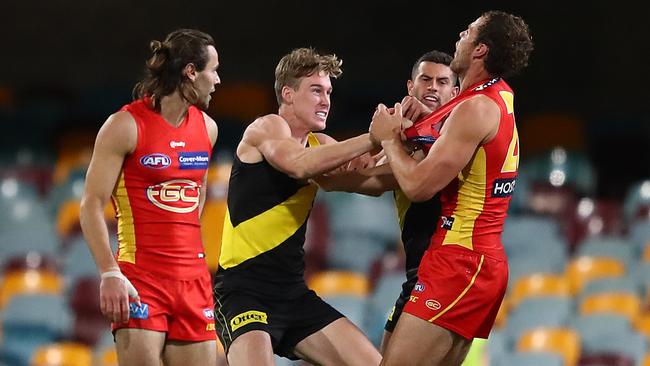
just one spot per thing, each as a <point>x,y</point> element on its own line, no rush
<point>264,231</point>
<point>157,194</point>
<point>475,203</point>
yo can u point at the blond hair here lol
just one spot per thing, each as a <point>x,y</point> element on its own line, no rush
<point>300,63</point>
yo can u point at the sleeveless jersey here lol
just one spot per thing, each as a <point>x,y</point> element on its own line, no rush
<point>264,231</point>
<point>475,203</point>
<point>157,194</point>
<point>417,220</point>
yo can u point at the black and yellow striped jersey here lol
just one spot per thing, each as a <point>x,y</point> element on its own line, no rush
<point>264,231</point>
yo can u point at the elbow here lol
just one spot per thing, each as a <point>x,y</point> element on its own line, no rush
<point>299,175</point>
<point>418,193</point>
<point>299,172</point>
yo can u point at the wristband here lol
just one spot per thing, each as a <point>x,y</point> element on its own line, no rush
<point>129,287</point>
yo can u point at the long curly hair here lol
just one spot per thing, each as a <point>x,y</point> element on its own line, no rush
<point>164,69</point>
<point>509,41</point>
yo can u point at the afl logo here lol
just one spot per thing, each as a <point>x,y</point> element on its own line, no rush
<point>179,195</point>
<point>432,304</point>
<point>156,161</point>
<point>208,313</point>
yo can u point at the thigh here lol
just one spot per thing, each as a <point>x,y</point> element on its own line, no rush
<point>192,316</point>
<point>339,343</point>
<point>418,342</point>
<point>179,353</point>
<point>238,314</point>
<point>139,347</point>
<point>253,348</point>
<point>304,316</point>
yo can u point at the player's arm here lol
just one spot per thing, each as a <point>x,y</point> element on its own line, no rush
<point>271,136</point>
<point>471,123</point>
<point>213,132</point>
<point>363,161</point>
<point>116,138</point>
<point>370,181</point>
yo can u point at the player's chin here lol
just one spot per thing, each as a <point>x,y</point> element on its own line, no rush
<point>318,125</point>
<point>432,105</point>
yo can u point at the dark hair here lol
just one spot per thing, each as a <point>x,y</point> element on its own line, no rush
<point>508,40</point>
<point>431,56</point>
<point>164,69</point>
<point>300,63</point>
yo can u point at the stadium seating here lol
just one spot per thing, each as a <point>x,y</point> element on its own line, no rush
<point>626,304</point>
<point>537,285</point>
<point>562,341</point>
<point>582,270</point>
<point>29,282</point>
<point>63,354</point>
<point>338,283</point>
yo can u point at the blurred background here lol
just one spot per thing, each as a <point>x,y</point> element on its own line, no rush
<point>579,227</point>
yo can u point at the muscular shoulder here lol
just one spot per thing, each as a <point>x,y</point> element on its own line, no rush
<point>211,127</point>
<point>119,132</point>
<point>268,126</point>
<point>478,116</point>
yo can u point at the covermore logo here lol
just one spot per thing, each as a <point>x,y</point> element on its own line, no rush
<point>248,317</point>
<point>156,161</point>
<point>179,195</point>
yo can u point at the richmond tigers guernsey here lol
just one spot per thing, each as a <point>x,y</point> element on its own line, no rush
<point>157,194</point>
<point>264,231</point>
<point>475,203</point>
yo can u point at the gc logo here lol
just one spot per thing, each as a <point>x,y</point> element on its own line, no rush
<point>178,195</point>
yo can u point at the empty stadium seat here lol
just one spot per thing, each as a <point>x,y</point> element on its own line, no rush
<point>563,341</point>
<point>537,285</point>
<point>29,282</point>
<point>538,312</point>
<point>582,270</point>
<point>63,354</point>
<point>606,359</point>
<point>609,247</point>
<point>625,304</point>
<point>530,359</point>
<point>338,283</point>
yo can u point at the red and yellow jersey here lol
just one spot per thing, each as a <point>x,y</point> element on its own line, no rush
<point>475,203</point>
<point>157,194</point>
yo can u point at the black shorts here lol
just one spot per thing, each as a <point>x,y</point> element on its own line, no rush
<point>407,288</point>
<point>287,321</point>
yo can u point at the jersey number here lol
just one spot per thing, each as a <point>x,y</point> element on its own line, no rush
<point>511,163</point>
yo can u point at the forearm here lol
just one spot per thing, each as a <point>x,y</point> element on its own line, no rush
<point>404,168</point>
<point>372,181</point>
<point>318,160</point>
<point>96,234</point>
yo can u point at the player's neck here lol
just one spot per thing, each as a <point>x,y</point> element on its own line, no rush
<point>473,75</point>
<point>299,130</point>
<point>173,109</point>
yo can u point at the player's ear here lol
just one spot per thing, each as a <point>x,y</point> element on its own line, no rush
<point>454,91</point>
<point>190,71</point>
<point>287,94</point>
<point>409,87</point>
<point>480,50</point>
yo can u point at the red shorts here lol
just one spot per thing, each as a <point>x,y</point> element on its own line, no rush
<point>183,309</point>
<point>459,290</point>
